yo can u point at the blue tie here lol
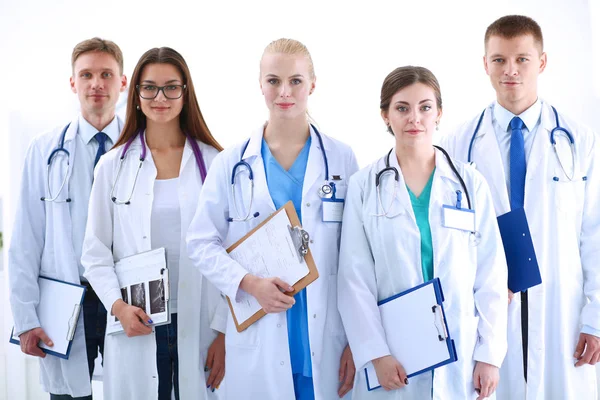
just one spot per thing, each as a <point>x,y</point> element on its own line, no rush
<point>101,138</point>
<point>518,167</point>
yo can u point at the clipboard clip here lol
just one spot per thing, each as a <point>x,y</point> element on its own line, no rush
<point>300,239</point>
<point>73,321</point>
<point>438,321</point>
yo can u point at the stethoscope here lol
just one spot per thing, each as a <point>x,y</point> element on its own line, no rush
<point>326,190</point>
<point>557,130</point>
<point>474,237</point>
<point>140,134</point>
<point>394,170</point>
<point>59,149</point>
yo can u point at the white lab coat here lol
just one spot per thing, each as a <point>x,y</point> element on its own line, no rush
<point>564,219</point>
<point>42,244</point>
<point>381,256</point>
<point>130,371</point>
<point>258,359</point>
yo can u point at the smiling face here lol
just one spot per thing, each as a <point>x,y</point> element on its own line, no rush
<point>286,82</point>
<point>97,82</point>
<point>413,115</point>
<point>513,66</point>
<point>161,109</point>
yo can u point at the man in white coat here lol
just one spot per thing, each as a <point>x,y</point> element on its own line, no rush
<point>554,327</point>
<point>52,214</point>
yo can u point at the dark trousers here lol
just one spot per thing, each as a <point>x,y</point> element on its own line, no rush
<point>167,360</point>
<point>94,324</point>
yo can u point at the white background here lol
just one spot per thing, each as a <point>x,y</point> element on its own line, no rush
<point>354,45</point>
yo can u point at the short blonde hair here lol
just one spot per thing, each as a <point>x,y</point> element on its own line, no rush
<point>290,46</point>
<point>98,44</point>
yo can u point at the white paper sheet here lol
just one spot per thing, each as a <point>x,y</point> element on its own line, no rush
<point>269,252</point>
<point>58,301</point>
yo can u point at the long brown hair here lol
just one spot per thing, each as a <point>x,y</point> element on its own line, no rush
<point>191,120</point>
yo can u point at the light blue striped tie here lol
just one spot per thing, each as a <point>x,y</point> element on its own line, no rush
<point>518,167</point>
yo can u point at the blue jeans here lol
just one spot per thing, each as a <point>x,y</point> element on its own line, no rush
<point>94,326</point>
<point>167,360</point>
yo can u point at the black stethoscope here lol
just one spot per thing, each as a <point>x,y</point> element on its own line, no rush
<point>394,170</point>
<point>553,132</point>
<point>324,191</point>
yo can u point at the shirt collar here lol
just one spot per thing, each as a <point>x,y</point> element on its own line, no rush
<point>87,131</point>
<point>530,117</point>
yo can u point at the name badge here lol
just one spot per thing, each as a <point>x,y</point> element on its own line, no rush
<point>333,209</point>
<point>458,218</point>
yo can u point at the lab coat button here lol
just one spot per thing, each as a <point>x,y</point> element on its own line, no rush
<point>279,325</point>
<point>314,315</point>
<point>144,237</point>
<point>313,353</point>
<point>311,241</point>
<point>281,363</point>
<point>307,204</point>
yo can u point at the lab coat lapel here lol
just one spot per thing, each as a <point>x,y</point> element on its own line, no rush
<point>540,148</point>
<point>315,167</point>
<point>487,159</point>
<point>390,190</point>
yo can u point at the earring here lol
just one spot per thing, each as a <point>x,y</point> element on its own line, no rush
<point>138,107</point>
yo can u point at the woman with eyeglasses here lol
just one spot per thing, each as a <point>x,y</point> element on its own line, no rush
<point>144,196</point>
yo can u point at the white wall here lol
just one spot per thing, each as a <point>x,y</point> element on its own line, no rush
<point>354,45</point>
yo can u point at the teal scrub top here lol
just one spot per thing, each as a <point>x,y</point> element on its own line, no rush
<point>420,207</point>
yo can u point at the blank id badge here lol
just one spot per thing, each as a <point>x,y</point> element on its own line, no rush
<point>458,218</point>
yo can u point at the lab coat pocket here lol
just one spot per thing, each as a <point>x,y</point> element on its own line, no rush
<point>569,196</point>
<point>334,320</point>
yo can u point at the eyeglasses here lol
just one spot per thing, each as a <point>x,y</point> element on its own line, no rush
<point>149,92</point>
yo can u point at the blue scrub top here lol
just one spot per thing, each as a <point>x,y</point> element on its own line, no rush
<point>284,186</point>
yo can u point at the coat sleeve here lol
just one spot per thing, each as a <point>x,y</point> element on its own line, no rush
<point>219,320</point>
<point>491,289</point>
<point>208,231</point>
<point>96,256</point>
<point>27,243</point>
<point>590,238</point>
<point>357,285</point>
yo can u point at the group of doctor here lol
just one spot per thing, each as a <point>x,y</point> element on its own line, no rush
<point>99,190</point>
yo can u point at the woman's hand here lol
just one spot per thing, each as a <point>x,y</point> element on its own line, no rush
<point>268,292</point>
<point>485,379</point>
<point>215,362</point>
<point>390,373</point>
<point>347,371</point>
<point>133,319</point>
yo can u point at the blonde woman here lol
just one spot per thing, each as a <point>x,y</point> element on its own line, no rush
<point>299,349</point>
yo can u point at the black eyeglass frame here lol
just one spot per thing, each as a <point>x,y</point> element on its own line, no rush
<point>160,89</point>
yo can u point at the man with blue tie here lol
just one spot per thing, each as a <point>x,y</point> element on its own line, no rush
<point>553,327</point>
<point>52,214</point>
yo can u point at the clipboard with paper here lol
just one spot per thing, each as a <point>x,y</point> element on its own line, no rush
<point>144,282</point>
<point>416,330</point>
<point>277,247</point>
<point>58,311</point>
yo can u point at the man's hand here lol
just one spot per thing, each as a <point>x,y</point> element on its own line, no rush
<point>587,350</point>
<point>30,340</point>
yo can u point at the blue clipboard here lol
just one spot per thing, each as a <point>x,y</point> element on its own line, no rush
<point>74,291</point>
<point>523,268</point>
<point>451,347</point>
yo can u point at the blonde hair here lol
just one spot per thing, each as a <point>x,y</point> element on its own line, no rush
<point>290,46</point>
<point>98,44</point>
